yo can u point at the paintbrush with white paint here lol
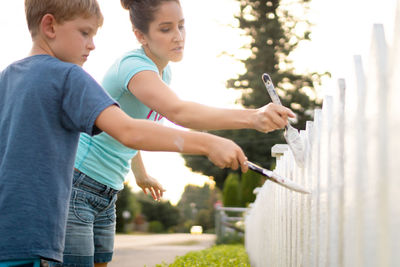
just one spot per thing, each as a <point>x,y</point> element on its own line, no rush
<point>277,178</point>
<point>291,134</point>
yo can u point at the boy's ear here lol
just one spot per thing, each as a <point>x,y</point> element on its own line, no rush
<point>47,26</point>
<point>140,37</point>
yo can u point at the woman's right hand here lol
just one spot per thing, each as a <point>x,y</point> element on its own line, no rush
<point>272,117</point>
<point>225,153</point>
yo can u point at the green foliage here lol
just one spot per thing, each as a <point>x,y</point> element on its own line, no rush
<point>231,191</point>
<point>201,164</point>
<point>223,255</point>
<point>126,203</point>
<point>205,218</point>
<point>197,206</point>
<point>230,238</point>
<point>184,227</point>
<point>275,32</point>
<point>162,211</point>
<point>250,180</point>
<point>156,227</point>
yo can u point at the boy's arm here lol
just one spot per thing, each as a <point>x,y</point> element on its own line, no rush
<point>148,87</point>
<point>147,135</point>
<point>143,180</point>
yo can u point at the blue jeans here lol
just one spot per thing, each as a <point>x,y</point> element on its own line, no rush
<point>21,263</point>
<point>91,223</point>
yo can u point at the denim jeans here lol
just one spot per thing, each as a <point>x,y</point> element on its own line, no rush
<point>21,263</point>
<point>91,223</point>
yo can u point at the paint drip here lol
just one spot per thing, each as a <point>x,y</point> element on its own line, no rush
<point>179,142</point>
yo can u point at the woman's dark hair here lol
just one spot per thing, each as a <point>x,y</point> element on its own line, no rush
<point>141,12</point>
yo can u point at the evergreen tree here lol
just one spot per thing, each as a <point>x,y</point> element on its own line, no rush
<point>250,180</point>
<point>275,32</point>
<point>231,192</point>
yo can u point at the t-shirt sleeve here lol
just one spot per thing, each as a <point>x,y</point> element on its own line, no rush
<point>83,100</point>
<point>129,66</point>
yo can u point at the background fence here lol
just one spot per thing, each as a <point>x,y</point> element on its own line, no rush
<point>352,217</point>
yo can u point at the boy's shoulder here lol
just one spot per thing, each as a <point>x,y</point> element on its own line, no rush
<point>47,76</point>
<point>47,61</point>
<point>50,67</point>
<point>41,66</point>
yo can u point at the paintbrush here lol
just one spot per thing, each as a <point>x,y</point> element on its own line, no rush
<point>291,134</point>
<point>277,178</point>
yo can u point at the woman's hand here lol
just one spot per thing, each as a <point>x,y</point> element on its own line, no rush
<point>145,181</point>
<point>151,185</point>
<point>272,117</point>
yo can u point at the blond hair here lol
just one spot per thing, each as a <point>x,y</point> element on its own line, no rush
<point>62,10</point>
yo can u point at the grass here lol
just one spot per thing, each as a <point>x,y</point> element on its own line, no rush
<point>221,255</point>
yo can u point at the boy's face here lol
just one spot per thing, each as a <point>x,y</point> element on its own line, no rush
<point>74,39</point>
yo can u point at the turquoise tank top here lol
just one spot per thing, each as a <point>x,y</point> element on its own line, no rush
<point>102,157</point>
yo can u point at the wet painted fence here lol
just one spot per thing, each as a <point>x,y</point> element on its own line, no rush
<point>352,217</point>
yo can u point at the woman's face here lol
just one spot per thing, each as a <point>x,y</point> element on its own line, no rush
<point>165,39</point>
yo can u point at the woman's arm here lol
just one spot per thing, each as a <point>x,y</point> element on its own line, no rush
<point>147,135</point>
<point>143,180</point>
<point>148,87</point>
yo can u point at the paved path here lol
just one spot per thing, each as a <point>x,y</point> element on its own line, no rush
<point>149,250</point>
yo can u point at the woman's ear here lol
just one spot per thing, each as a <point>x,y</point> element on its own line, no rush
<point>47,26</point>
<point>140,37</point>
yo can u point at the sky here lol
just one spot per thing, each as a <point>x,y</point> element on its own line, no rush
<point>342,29</point>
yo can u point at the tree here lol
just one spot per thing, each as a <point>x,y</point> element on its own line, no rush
<point>197,206</point>
<point>250,180</point>
<point>127,208</point>
<point>231,193</point>
<point>275,32</point>
<point>162,211</point>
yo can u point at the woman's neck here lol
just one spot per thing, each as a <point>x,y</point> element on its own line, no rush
<point>160,63</point>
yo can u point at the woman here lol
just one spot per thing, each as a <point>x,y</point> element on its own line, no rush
<point>139,82</point>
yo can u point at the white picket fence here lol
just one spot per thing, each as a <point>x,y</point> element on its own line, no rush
<point>352,217</point>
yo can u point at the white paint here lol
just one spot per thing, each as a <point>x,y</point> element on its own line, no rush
<point>295,143</point>
<point>179,142</point>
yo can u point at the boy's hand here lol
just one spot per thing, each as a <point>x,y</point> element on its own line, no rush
<point>272,117</point>
<point>152,185</point>
<point>224,153</point>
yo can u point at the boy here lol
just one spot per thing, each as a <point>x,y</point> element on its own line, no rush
<point>46,100</point>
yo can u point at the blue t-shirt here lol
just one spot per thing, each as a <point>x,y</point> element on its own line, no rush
<point>44,105</point>
<point>102,157</point>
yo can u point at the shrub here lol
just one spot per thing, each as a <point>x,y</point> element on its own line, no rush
<point>223,255</point>
<point>156,227</point>
<point>232,237</point>
<point>161,211</point>
<point>250,180</point>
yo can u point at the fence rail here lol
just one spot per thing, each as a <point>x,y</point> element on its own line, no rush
<point>225,220</point>
<point>352,217</point>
